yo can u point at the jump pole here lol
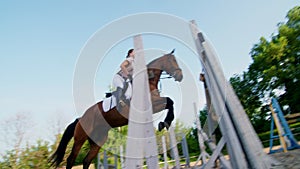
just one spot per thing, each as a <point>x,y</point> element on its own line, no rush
<point>249,149</point>
<point>203,155</point>
<point>163,140</point>
<point>238,159</point>
<point>122,157</point>
<point>174,148</point>
<point>141,139</point>
<point>185,150</point>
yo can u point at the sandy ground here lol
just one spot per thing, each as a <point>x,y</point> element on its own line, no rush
<point>288,160</point>
<point>281,160</point>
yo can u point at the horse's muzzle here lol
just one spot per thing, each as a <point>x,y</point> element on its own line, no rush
<point>178,75</point>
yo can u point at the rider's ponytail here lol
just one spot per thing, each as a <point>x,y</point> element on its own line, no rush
<point>128,53</point>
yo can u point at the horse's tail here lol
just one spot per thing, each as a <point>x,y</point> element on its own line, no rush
<point>58,155</point>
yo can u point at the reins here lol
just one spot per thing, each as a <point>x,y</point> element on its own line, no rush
<point>167,76</point>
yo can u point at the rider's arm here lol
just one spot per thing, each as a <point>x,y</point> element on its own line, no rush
<point>123,68</point>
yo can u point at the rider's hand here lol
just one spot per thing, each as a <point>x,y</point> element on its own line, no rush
<point>129,77</point>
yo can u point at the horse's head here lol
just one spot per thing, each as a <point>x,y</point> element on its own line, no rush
<point>168,64</point>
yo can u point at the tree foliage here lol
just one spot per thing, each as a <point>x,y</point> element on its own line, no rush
<point>37,155</point>
<point>31,157</point>
<point>274,71</point>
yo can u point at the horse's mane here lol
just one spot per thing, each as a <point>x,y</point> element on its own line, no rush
<point>154,63</point>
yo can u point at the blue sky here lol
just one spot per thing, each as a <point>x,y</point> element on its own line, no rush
<point>41,41</point>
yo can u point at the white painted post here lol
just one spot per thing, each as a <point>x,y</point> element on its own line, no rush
<point>105,162</point>
<point>116,160</point>
<point>99,166</point>
<point>252,154</point>
<point>233,145</point>
<point>253,149</point>
<point>141,140</point>
<point>203,155</point>
<point>174,147</point>
<point>163,140</point>
<point>185,150</point>
<point>122,157</point>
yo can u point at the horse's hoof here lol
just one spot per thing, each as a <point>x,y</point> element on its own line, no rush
<point>167,125</point>
<point>161,125</point>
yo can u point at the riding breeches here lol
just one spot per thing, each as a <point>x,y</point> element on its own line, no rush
<point>119,81</point>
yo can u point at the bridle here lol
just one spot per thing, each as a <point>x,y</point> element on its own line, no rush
<point>173,71</point>
<point>166,75</point>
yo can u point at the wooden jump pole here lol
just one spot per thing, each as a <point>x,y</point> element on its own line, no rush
<point>232,143</point>
<point>174,148</point>
<point>141,139</point>
<point>244,146</point>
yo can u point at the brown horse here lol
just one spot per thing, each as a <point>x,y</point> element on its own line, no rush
<point>95,123</point>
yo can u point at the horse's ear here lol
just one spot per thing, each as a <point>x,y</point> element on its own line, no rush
<point>172,52</point>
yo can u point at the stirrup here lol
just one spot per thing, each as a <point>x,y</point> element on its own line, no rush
<point>122,103</point>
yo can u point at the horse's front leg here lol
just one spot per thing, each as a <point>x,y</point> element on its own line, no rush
<point>170,115</point>
<point>161,103</point>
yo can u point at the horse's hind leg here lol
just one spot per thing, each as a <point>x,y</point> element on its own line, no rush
<point>94,149</point>
<point>79,138</point>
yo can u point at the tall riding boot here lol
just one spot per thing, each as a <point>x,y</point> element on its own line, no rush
<point>118,95</point>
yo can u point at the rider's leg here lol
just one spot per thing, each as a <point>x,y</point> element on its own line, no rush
<point>118,84</point>
<point>127,92</point>
<point>119,98</point>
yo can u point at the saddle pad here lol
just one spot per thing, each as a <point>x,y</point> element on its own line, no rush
<point>109,103</point>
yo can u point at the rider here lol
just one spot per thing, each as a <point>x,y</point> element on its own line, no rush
<point>122,77</point>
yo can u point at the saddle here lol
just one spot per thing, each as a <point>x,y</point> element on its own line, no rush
<point>109,101</point>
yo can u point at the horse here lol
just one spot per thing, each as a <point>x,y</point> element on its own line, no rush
<point>95,123</point>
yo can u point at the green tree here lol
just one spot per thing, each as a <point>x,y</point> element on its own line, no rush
<point>36,156</point>
<point>274,72</point>
<point>13,133</point>
<point>276,63</point>
<point>247,92</point>
<point>31,157</point>
<point>192,138</point>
